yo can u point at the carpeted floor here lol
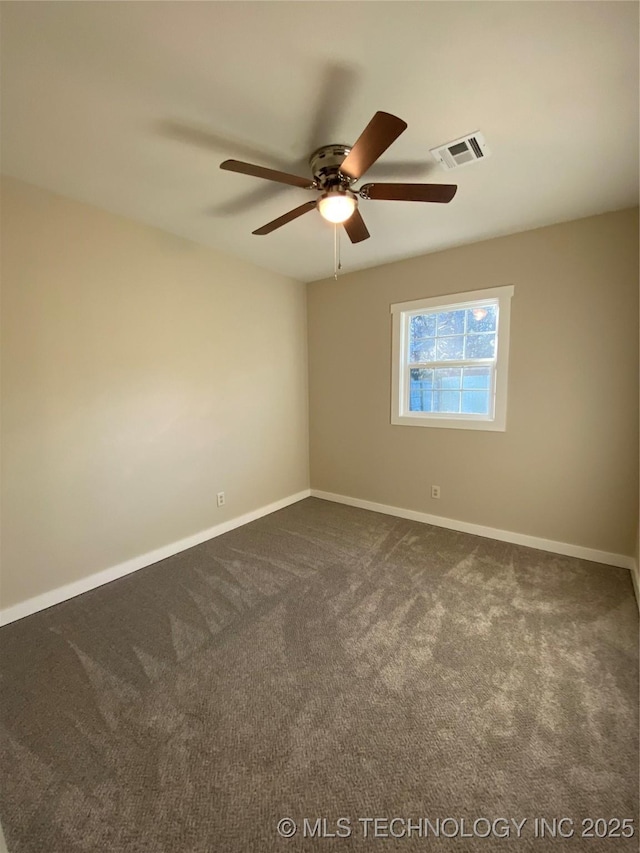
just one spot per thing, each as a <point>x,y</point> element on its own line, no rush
<point>327,662</point>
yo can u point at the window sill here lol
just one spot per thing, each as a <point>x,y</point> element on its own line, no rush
<point>487,424</point>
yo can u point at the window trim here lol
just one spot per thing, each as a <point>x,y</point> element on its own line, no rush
<point>400,311</point>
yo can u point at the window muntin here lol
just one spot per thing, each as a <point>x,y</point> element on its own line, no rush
<point>448,367</point>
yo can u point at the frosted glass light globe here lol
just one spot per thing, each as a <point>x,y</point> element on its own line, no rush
<point>335,206</point>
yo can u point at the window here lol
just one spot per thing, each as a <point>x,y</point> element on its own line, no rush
<point>450,358</point>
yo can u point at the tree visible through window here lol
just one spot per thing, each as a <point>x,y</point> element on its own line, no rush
<point>448,368</point>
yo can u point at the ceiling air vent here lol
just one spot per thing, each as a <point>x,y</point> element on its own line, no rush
<point>461,151</point>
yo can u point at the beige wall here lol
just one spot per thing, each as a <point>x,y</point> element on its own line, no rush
<point>566,468</point>
<point>141,375</point>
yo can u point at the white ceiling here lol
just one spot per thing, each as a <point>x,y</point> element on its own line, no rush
<point>132,106</point>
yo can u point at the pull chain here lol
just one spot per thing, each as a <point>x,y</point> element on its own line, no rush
<point>337,263</point>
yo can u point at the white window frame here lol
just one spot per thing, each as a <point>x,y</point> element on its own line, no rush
<point>402,312</point>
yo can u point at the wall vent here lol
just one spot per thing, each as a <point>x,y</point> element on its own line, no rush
<point>461,152</point>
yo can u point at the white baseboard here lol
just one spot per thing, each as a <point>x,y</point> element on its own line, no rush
<point>564,548</point>
<point>62,593</point>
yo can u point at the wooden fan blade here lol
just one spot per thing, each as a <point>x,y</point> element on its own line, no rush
<point>287,217</point>
<point>382,130</point>
<point>442,193</point>
<point>355,227</point>
<point>268,174</point>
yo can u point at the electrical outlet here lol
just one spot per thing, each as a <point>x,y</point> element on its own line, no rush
<point>220,499</point>
<point>435,492</point>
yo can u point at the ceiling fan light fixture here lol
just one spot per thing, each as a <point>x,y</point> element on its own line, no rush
<point>337,205</point>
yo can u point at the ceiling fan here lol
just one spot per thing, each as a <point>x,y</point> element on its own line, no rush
<point>336,168</point>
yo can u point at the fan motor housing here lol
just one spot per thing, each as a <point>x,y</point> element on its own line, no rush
<point>325,164</point>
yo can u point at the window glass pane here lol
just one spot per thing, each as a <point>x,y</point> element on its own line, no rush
<point>450,323</point>
<point>446,383</point>
<point>476,377</point>
<point>450,349</point>
<point>445,378</point>
<point>446,401</point>
<point>422,326</point>
<point>420,395</point>
<point>480,346</point>
<point>482,319</point>
<point>475,402</point>
<point>424,350</point>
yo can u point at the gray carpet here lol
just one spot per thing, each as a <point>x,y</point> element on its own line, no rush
<point>327,662</point>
